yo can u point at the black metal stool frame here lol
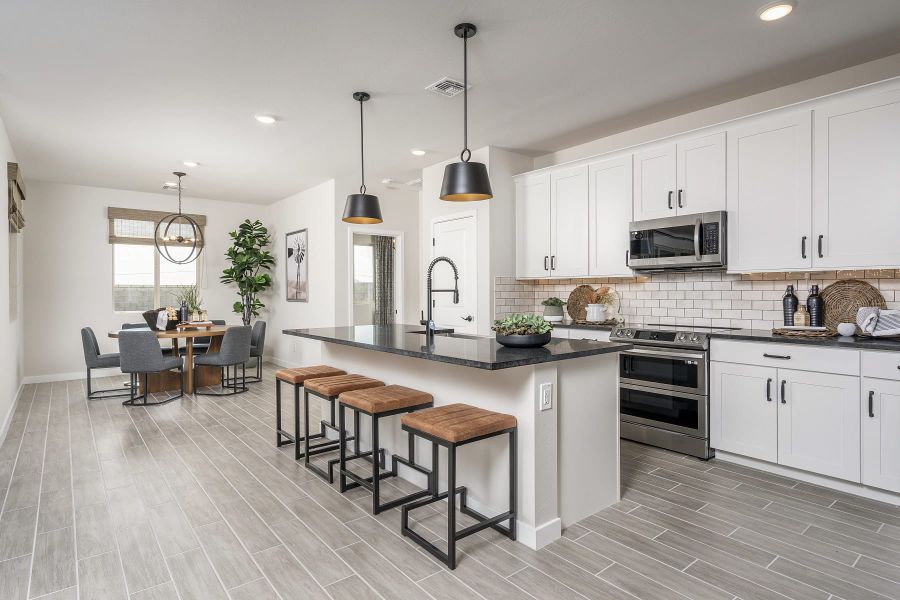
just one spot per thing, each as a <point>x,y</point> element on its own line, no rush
<point>283,438</point>
<point>453,536</point>
<point>372,483</point>
<point>328,446</point>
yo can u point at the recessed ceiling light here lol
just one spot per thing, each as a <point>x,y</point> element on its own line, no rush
<point>776,10</point>
<point>417,152</point>
<point>266,119</point>
<point>191,163</point>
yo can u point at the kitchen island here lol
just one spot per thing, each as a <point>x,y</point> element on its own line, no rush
<point>568,453</point>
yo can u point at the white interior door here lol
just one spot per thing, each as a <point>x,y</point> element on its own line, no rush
<point>454,237</point>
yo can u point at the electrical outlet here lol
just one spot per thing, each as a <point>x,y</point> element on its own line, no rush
<point>546,396</point>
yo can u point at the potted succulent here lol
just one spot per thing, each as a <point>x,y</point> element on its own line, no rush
<point>522,331</point>
<point>553,309</point>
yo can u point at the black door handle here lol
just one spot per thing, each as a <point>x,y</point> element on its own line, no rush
<point>680,194</point>
<point>871,405</point>
<point>769,389</point>
<point>783,399</point>
<point>546,264</point>
<point>820,246</point>
<point>553,263</point>
<point>803,247</point>
<point>468,318</point>
<point>670,199</point>
<point>778,356</point>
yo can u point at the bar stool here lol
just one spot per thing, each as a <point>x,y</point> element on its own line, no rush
<point>378,403</point>
<point>452,426</point>
<point>329,388</point>
<point>297,377</point>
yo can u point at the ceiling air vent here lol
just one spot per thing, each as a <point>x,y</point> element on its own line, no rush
<point>446,87</point>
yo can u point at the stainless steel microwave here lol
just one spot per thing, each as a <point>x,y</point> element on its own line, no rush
<point>685,242</point>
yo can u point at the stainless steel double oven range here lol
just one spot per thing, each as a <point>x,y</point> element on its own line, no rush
<point>664,387</point>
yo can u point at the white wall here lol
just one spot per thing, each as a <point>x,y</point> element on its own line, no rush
<point>68,267</point>
<point>11,335</point>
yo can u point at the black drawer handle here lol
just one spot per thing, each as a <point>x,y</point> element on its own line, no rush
<point>769,389</point>
<point>871,405</point>
<point>781,357</point>
<point>783,399</point>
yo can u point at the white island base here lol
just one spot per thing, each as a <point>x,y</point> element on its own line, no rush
<point>568,454</point>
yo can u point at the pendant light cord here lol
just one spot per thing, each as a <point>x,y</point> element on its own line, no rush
<point>179,194</point>
<point>466,154</point>
<point>362,160</point>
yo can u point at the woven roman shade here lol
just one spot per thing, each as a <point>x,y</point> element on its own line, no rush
<point>136,226</point>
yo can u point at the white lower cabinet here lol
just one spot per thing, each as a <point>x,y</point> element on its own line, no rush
<point>818,423</point>
<point>743,412</point>
<point>880,416</point>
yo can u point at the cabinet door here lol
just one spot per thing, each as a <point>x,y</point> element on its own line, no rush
<point>769,194</point>
<point>533,226</point>
<point>880,442</point>
<point>818,423</point>
<point>743,415</point>
<point>857,182</point>
<point>654,183</point>
<point>701,175</point>
<point>569,222</point>
<point>610,188</point>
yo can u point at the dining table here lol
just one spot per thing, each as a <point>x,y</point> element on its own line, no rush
<point>194,377</point>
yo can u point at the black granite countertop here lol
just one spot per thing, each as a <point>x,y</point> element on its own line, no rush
<point>574,325</point>
<point>480,352</point>
<point>765,335</point>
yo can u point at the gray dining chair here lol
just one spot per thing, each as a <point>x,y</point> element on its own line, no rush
<point>257,349</point>
<point>201,344</point>
<point>93,359</point>
<point>235,351</point>
<point>140,354</point>
<point>167,350</point>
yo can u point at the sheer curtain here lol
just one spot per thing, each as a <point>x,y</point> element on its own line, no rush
<point>384,279</point>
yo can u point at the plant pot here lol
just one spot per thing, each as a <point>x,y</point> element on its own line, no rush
<point>524,341</point>
<point>596,313</point>
<point>553,314</point>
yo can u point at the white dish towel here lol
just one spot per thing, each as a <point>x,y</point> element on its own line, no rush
<point>878,322</point>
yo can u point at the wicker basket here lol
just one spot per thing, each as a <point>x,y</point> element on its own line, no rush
<point>802,333</point>
<point>843,299</point>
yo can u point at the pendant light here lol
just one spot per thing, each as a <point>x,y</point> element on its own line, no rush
<point>178,230</point>
<point>466,181</point>
<point>362,208</point>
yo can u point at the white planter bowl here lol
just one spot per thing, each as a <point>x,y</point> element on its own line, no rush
<point>846,329</point>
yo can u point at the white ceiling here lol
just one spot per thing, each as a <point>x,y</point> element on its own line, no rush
<point>118,93</point>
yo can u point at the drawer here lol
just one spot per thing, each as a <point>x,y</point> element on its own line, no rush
<point>786,356</point>
<point>589,334</point>
<point>883,365</point>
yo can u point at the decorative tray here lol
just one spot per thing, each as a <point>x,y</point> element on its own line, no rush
<point>612,322</point>
<point>196,325</point>
<point>811,333</point>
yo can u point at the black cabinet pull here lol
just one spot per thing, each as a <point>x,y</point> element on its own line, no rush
<point>553,262</point>
<point>821,237</point>
<point>803,247</point>
<point>680,194</point>
<point>769,389</point>
<point>670,199</point>
<point>778,356</point>
<point>783,399</point>
<point>546,265</point>
<point>871,405</point>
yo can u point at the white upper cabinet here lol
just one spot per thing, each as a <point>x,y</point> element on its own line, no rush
<point>533,226</point>
<point>701,175</point>
<point>569,222</point>
<point>610,208</point>
<point>769,194</point>
<point>880,443</point>
<point>654,183</point>
<point>857,182</point>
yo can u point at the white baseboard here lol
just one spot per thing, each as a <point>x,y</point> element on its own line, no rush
<point>7,420</point>
<point>280,362</point>
<point>51,377</point>
<point>827,482</point>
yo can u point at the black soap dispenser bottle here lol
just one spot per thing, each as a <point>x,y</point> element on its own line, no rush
<point>789,304</point>
<point>816,307</point>
<point>183,314</point>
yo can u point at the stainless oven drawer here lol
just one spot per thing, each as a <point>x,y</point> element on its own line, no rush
<point>679,371</point>
<point>673,411</point>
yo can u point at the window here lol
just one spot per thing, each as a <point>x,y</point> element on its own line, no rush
<point>142,279</point>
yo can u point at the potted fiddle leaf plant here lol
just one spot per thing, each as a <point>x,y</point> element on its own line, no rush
<point>522,331</point>
<point>251,262</point>
<point>553,309</point>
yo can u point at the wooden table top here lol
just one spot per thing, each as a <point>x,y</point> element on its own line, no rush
<point>214,331</point>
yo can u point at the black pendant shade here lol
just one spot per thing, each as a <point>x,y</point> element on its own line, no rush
<point>362,208</point>
<point>466,181</point>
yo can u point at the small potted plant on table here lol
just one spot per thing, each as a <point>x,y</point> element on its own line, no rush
<point>553,309</point>
<point>522,331</point>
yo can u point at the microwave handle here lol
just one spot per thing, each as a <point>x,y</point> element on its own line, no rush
<point>697,239</point>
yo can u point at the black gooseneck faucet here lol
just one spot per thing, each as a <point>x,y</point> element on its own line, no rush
<point>429,322</point>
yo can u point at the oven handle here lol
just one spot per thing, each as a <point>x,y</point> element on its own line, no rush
<point>664,354</point>
<point>697,224</point>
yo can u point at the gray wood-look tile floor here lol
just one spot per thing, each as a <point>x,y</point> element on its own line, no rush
<point>192,500</point>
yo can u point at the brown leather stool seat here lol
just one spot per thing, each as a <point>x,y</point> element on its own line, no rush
<point>385,398</point>
<point>299,375</point>
<point>458,422</point>
<point>338,384</point>
<point>452,426</point>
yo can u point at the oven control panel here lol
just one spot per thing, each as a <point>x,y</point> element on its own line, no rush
<point>657,337</point>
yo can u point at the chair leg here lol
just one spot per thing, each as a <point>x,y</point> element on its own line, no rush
<point>89,382</point>
<point>376,470</point>
<point>513,481</point>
